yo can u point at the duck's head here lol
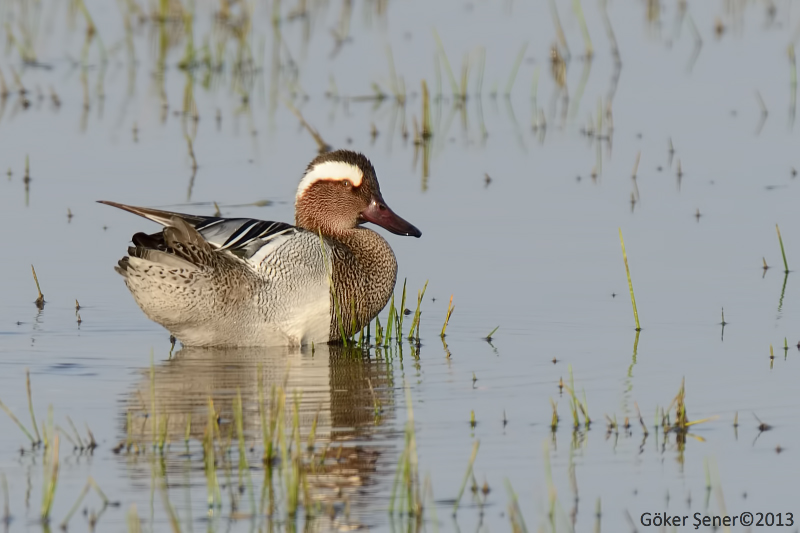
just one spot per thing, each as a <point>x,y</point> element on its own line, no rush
<point>340,191</point>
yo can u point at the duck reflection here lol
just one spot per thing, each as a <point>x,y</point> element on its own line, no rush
<point>337,399</point>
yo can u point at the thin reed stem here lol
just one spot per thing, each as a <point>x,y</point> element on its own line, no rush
<point>40,299</point>
<point>783,251</point>
<point>630,284</point>
<point>512,77</point>
<point>467,475</point>
<point>17,422</point>
<point>50,483</point>
<point>30,404</point>
<point>447,316</point>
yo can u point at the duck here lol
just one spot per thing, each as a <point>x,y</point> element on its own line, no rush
<point>213,281</point>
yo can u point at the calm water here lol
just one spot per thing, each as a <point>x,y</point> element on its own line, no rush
<point>535,251</point>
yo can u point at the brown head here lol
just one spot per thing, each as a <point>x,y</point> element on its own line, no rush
<point>340,191</point>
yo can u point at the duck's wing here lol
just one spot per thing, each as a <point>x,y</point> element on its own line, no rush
<point>241,236</point>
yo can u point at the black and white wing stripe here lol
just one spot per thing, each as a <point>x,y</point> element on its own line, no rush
<point>241,236</point>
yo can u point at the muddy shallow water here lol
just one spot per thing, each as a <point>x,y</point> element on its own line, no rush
<point>533,249</point>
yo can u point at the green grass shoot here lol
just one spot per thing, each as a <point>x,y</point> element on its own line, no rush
<point>630,284</point>
<point>214,498</point>
<point>512,77</point>
<point>353,321</point>
<point>514,512</point>
<point>576,6</point>
<point>75,431</point>
<point>406,483</point>
<point>266,439</point>
<point>585,410</point>
<point>443,55</point>
<point>390,322</point>
<point>462,93</point>
<point>427,130</point>
<point>562,39</point>
<point>402,312</point>
<point>481,68</point>
<point>447,316</point>
<point>378,332</point>
<point>30,405</point>
<point>50,482</point>
<point>90,483</point>
<point>17,422</point>
<point>467,475</point>
<point>39,299</point>
<point>293,470</point>
<point>417,313</point>
<point>783,251</point>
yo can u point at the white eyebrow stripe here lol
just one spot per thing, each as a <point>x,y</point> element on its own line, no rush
<point>330,170</point>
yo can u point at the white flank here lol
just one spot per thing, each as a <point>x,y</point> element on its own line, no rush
<point>330,170</point>
<point>309,316</point>
<point>310,320</point>
<point>313,322</point>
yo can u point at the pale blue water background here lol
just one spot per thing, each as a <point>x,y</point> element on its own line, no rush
<point>536,252</point>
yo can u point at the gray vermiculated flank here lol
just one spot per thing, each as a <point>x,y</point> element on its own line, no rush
<point>216,298</point>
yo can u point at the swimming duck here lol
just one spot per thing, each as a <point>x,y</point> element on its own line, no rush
<point>215,281</point>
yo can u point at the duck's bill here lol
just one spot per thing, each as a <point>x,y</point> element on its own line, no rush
<point>379,213</point>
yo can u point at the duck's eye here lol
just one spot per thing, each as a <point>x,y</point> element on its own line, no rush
<point>346,183</point>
